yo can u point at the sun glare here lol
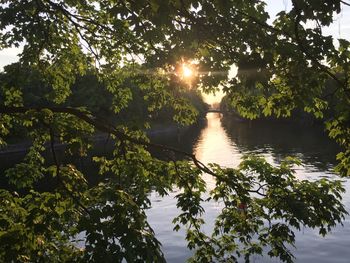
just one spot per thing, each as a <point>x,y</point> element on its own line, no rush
<point>187,72</point>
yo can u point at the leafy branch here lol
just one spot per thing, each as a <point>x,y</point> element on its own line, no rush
<point>298,40</point>
<point>58,172</point>
<point>107,128</point>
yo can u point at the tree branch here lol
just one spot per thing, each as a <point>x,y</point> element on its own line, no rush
<point>344,3</point>
<point>107,128</point>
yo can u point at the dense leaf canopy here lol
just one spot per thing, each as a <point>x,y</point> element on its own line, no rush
<point>132,51</point>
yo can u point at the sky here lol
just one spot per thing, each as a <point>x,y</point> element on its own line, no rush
<point>339,29</point>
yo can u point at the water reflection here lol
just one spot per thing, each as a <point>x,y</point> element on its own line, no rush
<point>214,145</point>
<point>224,141</point>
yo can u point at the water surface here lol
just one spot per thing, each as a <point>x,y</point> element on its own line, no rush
<point>224,141</point>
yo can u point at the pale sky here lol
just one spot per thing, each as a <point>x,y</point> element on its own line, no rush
<point>339,29</point>
<point>8,56</point>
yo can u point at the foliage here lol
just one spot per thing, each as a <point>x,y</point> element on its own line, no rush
<point>136,103</point>
<point>128,52</point>
<point>263,206</point>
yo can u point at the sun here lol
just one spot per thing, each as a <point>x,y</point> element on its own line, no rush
<point>187,71</point>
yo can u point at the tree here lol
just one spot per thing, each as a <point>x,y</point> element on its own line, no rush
<point>282,66</point>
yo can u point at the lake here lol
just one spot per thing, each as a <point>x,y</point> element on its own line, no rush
<point>224,140</point>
